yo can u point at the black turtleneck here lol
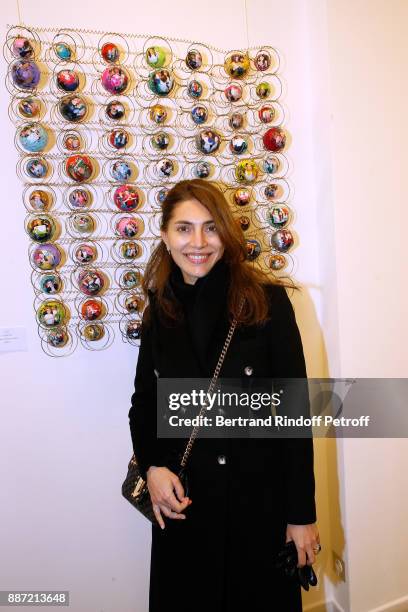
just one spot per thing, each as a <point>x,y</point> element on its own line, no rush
<point>187,293</point>
<point>184,292</point>
<point>209,292</point>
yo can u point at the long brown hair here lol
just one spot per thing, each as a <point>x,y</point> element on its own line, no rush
<point>245,280</point>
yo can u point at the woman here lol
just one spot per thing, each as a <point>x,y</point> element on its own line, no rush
<point>214,550</point>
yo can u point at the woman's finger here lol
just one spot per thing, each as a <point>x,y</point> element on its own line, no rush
<point>301,556</point>
<point>157,514</point>
<point>172,502</point>
<point>311,557</point>
<point>179,489</point>
<point>170,514</point>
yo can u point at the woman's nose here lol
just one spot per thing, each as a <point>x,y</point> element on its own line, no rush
<point>198,238</point>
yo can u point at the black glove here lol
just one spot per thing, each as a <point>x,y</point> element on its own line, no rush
<point>287,560</point>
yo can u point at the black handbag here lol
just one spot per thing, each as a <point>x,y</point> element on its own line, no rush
<point>286,561</point>
<point>134,487</point>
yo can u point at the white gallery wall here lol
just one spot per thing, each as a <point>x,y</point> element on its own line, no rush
<point>64,438</point>
<point>368,55</point>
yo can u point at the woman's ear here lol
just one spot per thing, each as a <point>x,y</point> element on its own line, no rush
<point>164,238</point>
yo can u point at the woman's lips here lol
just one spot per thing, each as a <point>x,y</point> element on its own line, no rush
<point>198,258</point>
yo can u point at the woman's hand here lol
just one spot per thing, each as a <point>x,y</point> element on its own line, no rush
<point>306,538</point>
<point>163,487</point>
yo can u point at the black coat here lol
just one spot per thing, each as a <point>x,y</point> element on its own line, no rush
<point>244,491</point>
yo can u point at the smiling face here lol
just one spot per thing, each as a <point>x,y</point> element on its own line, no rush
<point>192,237</point>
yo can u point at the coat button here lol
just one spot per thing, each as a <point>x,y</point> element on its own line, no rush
<point>248,370</point>
<point>222,460</point>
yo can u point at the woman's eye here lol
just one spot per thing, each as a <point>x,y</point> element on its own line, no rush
<point>186,228</point>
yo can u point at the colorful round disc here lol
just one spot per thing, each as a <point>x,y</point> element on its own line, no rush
<point>22,47</point>
<point>238,145</point>
<point>118,139</point>
<point>202,169</point>
<point>278,216</point>
<point>50,284</point>
<point>194,59</point>
<point>277,262</point>
<point>85,253</point>
<point>208,141</point>
<point>110,52</point>
<point>72,141</point>
<point>160,141</point>
<point>80,198</point>
<point>236,121</point>
<point>244,222</point>
<point>57,337</point>
<point>67,80</point>
<point>155,57</point>
<point>29,107</point>
<point>41,228</point>
<point>161,195</point>
<point>266,113</point>
<point>115,110</point>
<point>262,61</point>
<point>94,332</point>
<point>263,90</point>
<point>161,82</point>
<point>129,227</point>
<point>282,240</point>
<point>73,108</point>
<point>271,165</point>
<point>79,168</point>
<point>236,65</point>
<point>133,330</point>
<point>115,79</point>
<point>195,89</point>
<point>25,74</point>
<point>158,114</point>
<point>233,93</point>
<point>83,223</point>
<point>40,200</point>
<point>126,198</point>
<point>165,168</point>
<point>199,114</point>
<point>130,279</point>
<point>253,249</point>
<point>120,170</point>
<point>33,137</point>
<point>130,249</point>
<point>91,310</point>
<point>51,313</point>
<point>63,51</point>
<point>133,303</point>
<point>274,139</point>
<point>46,257</point>
<point>36,167</point>
<point>271,191</point>
<point>246,171</point>
<point>90,282</point>
<point>242,197</point>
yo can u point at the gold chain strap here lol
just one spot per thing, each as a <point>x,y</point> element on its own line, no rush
<point>211,386</point>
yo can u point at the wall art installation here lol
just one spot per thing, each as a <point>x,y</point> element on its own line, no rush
<point>105,124</point>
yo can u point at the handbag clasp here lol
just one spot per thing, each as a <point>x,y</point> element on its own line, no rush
<point>138,488</point>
